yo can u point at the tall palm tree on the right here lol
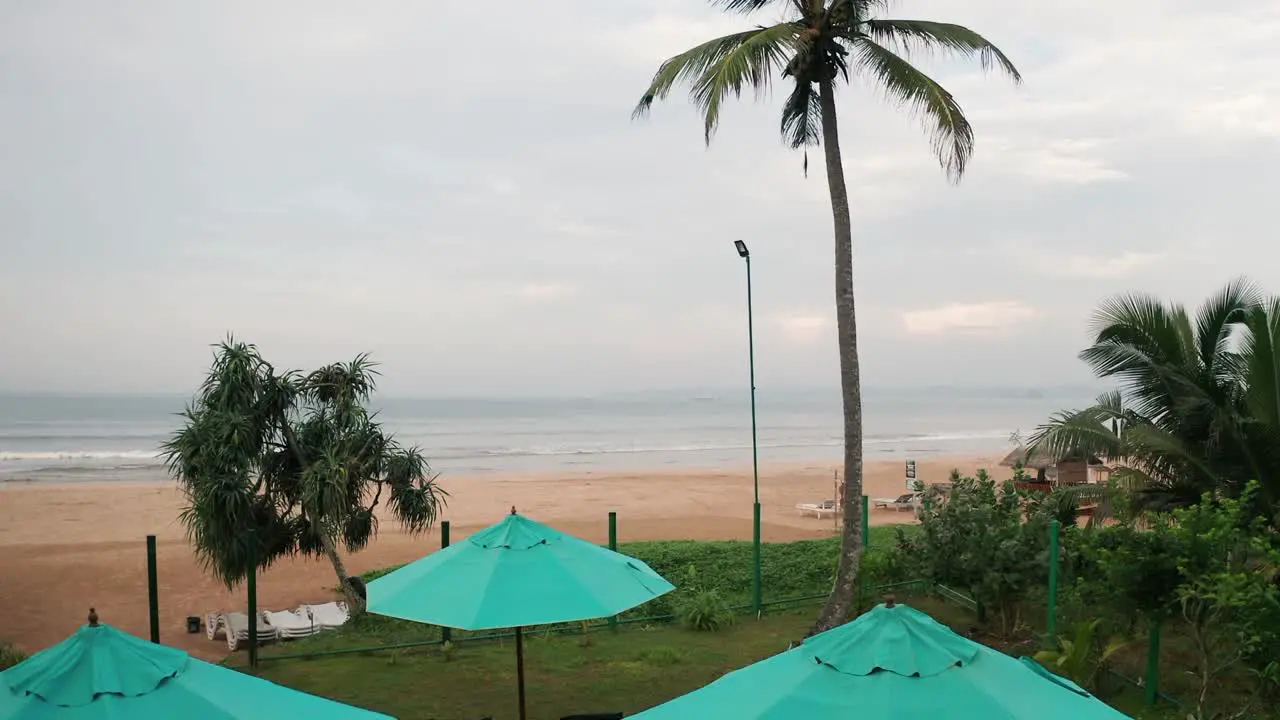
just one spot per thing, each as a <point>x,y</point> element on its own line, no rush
<point>1198,409</point>
<point>822,43</point>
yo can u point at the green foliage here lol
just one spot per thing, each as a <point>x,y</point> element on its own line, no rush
<point>1212,567</point>
<point>818,45</point>
<point>10,655</point>
<point>989,540</point>
<point>1132,573</point>
<point>295,457</point>
<point>1198,409</point>
<point>1229,599</point>
<point>700,607</point>
<point>1082,657</point>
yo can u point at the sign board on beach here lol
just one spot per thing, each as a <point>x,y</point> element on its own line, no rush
<point>911,475</point>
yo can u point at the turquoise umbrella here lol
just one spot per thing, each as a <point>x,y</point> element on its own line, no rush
<point>101,673</point>
<point>892,662</point>
<point>515,574</point>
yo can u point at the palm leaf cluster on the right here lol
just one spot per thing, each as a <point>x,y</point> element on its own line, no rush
<point>1198,409</point>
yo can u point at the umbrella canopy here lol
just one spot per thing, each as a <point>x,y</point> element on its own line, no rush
<point>512,574</point>
<point>515,574</point>
<point>101,673</point>
<point>892,662</point>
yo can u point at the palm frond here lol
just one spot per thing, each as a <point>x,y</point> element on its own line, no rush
<point>747,7</point>
<point>802,116</point>
<point>1262,347</point>
<point>914,36</point>
<point>290,457</point>
<point>1139,321</point>
<point>723,66</point>
<point>1218,317</point>
<point>1184,464</point>
<point>1080,433</point>
<point>950,132</point>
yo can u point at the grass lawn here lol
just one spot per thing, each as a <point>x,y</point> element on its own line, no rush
<point>642,663</point>
<point>628,670</point>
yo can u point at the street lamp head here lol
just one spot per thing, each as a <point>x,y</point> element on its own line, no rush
<point>742,249</point>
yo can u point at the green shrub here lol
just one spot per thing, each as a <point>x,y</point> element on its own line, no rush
<point>704,611</point>
<point>1082,657</point>
<point>700,606</point>
<point>988,540</point>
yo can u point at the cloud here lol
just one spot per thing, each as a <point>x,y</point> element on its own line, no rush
<point>545,292</point>
<point>1097,265</point>
<point>989,318</point>
<point>321,198</point>
<point>1068,161</point>
<point>804,328</point>
<point>1118,266</point>
<point>1244,115</point>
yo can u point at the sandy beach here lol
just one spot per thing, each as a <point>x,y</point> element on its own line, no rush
<point>66,547</point>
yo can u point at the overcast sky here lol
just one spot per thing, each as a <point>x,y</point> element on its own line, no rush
<point>458,188</point>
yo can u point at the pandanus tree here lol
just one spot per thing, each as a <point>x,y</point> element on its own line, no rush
<point>276,464</point>
<point>1198,407</point>
<point>822,44</point>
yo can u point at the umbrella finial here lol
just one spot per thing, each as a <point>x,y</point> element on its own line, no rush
<point>890,600</point>
<point>513,509</point>
<point>93,617</point>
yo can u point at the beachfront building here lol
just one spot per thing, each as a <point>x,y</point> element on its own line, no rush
<point>1052,471</point>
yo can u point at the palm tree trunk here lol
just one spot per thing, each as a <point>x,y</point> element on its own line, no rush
<point>355,604</point>
<point>840,604</point>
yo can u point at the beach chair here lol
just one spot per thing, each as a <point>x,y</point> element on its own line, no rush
<point>328,616</point>
<point>902,502</point>
<point>235,626</point>
<point>819,510</point>
<point>290,624</point>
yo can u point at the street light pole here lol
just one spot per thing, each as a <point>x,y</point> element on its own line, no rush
<point>756,594</point>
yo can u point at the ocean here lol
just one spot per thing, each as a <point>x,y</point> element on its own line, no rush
<point>97,437</point>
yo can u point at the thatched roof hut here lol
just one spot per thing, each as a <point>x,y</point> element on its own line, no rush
<point>1049,468</point>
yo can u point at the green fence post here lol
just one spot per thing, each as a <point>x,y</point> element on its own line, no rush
<point>866,545</point>
<point>1052,623</point>
<point>1153,664</point>
<point>253,600</point>
<point>613,545</point>
<point>446,634</point>
<point>757,591</point>
<point>866,523</point>
<point>153,589</point>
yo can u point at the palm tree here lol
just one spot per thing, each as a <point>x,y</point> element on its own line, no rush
<point>825,42</point>
<point>1199,405</point>
<point>297,460</point>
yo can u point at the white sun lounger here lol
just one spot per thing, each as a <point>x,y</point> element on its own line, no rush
<point>328,616</point>
<point>902,502</point>
<point>820,510</point>
<point>291,624</point>
<point>235,625</point>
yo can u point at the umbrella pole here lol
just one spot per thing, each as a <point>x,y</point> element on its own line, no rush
<point>520,669</point>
